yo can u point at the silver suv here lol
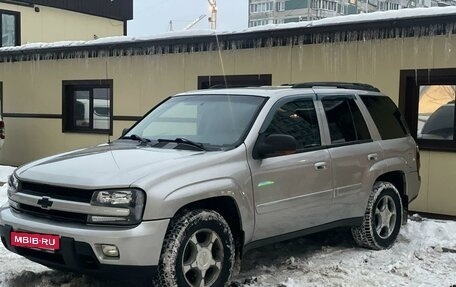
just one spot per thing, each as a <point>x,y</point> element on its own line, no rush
<point>207,175</point>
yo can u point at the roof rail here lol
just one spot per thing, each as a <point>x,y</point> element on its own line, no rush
<point>341,85</point>
<point>231,86</point>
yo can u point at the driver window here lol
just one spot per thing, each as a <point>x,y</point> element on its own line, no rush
<point>298,119</point>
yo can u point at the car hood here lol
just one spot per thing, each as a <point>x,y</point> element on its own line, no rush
<point>105,166</point>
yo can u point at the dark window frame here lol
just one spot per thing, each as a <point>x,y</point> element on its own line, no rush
<point>67,126</point>
<point>17,26</point>
<point>409,89</point>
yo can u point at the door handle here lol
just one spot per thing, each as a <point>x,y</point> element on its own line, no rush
<point>321,165</point>
<point>372,157</point>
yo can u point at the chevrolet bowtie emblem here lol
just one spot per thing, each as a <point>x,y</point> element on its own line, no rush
<point>45,202</point>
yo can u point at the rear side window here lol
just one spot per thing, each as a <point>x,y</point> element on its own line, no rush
<point>345,121</point>
<point>386,116</point>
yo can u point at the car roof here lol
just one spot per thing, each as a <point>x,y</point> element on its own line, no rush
<point>279,91</point>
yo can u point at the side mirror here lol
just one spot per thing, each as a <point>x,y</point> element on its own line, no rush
<point>274,145</point>
<point>125,131</point>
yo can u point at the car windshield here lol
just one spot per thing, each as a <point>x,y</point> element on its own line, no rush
<point>216,122</point>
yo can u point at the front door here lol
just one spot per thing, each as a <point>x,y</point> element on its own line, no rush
<point>292,191</point>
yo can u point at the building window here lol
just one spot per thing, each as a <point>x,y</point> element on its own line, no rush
<point>280,6</point>
<point>10,28</point>
<point>384,6</point>
<point>427,99</point>
<point>261,7</point>
<point>87,106</point>
<point>261,22</point>
<point>436,112</point>
<point>325,5</point>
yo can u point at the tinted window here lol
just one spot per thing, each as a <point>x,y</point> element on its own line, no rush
<point>297,119</point>
<point>345,121</point>
<point>386,117</point>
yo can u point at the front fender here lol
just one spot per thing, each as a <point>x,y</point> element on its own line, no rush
<point>203,190</point>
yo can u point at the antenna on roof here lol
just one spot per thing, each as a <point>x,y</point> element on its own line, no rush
<point>170,27</point>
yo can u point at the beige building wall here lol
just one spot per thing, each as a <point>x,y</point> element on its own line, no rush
<point>142,81</point>
<point>52,24</point>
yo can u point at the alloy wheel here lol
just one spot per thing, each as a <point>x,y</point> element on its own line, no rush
<point>385,217</point>
<point>202,259</point>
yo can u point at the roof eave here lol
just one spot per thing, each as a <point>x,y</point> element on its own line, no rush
<point>281,36</point>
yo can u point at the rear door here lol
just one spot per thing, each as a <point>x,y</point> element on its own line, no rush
<point>293,191</point>
<point>353,152</point>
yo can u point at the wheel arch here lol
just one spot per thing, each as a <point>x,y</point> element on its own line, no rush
<point>397,178</point>
<point>227,207</point>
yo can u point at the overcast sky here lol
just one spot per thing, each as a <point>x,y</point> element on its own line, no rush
<point>153,16</point>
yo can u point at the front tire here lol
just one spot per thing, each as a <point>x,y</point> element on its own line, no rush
<point>383,218</point>
<point>198,250</point>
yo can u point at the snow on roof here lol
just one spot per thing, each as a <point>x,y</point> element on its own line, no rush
<point>339,20</point>
<point>365,17</point>
<point>111,40</point>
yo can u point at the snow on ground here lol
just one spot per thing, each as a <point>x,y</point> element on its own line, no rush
<point>421,257</point>
<point>424,255</point>
<point>5,172</point>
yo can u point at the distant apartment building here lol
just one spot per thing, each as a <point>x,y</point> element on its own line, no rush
<point>263,12</point>
<point>31,21</point>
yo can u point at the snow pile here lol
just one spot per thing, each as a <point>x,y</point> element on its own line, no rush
<point>423,256</point>
<point>5,172</point>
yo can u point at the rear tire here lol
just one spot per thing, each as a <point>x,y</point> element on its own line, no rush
<point>198,250</point>
<point>383,218</point>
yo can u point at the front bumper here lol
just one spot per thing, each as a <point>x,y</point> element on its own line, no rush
<point>139,247</point>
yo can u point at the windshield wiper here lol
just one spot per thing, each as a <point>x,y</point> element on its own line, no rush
<point>183,141</point>
<point>143,141</point>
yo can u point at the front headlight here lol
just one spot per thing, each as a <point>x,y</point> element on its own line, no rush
<point>133,200</point>
<point>13,184</point>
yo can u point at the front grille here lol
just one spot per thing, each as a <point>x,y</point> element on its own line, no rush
<point>57,192</point>
<point>54,192</point>
<point>52,214</point>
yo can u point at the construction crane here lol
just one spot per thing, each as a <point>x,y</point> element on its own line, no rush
<point>196,21</point>
<point>213,17</point>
